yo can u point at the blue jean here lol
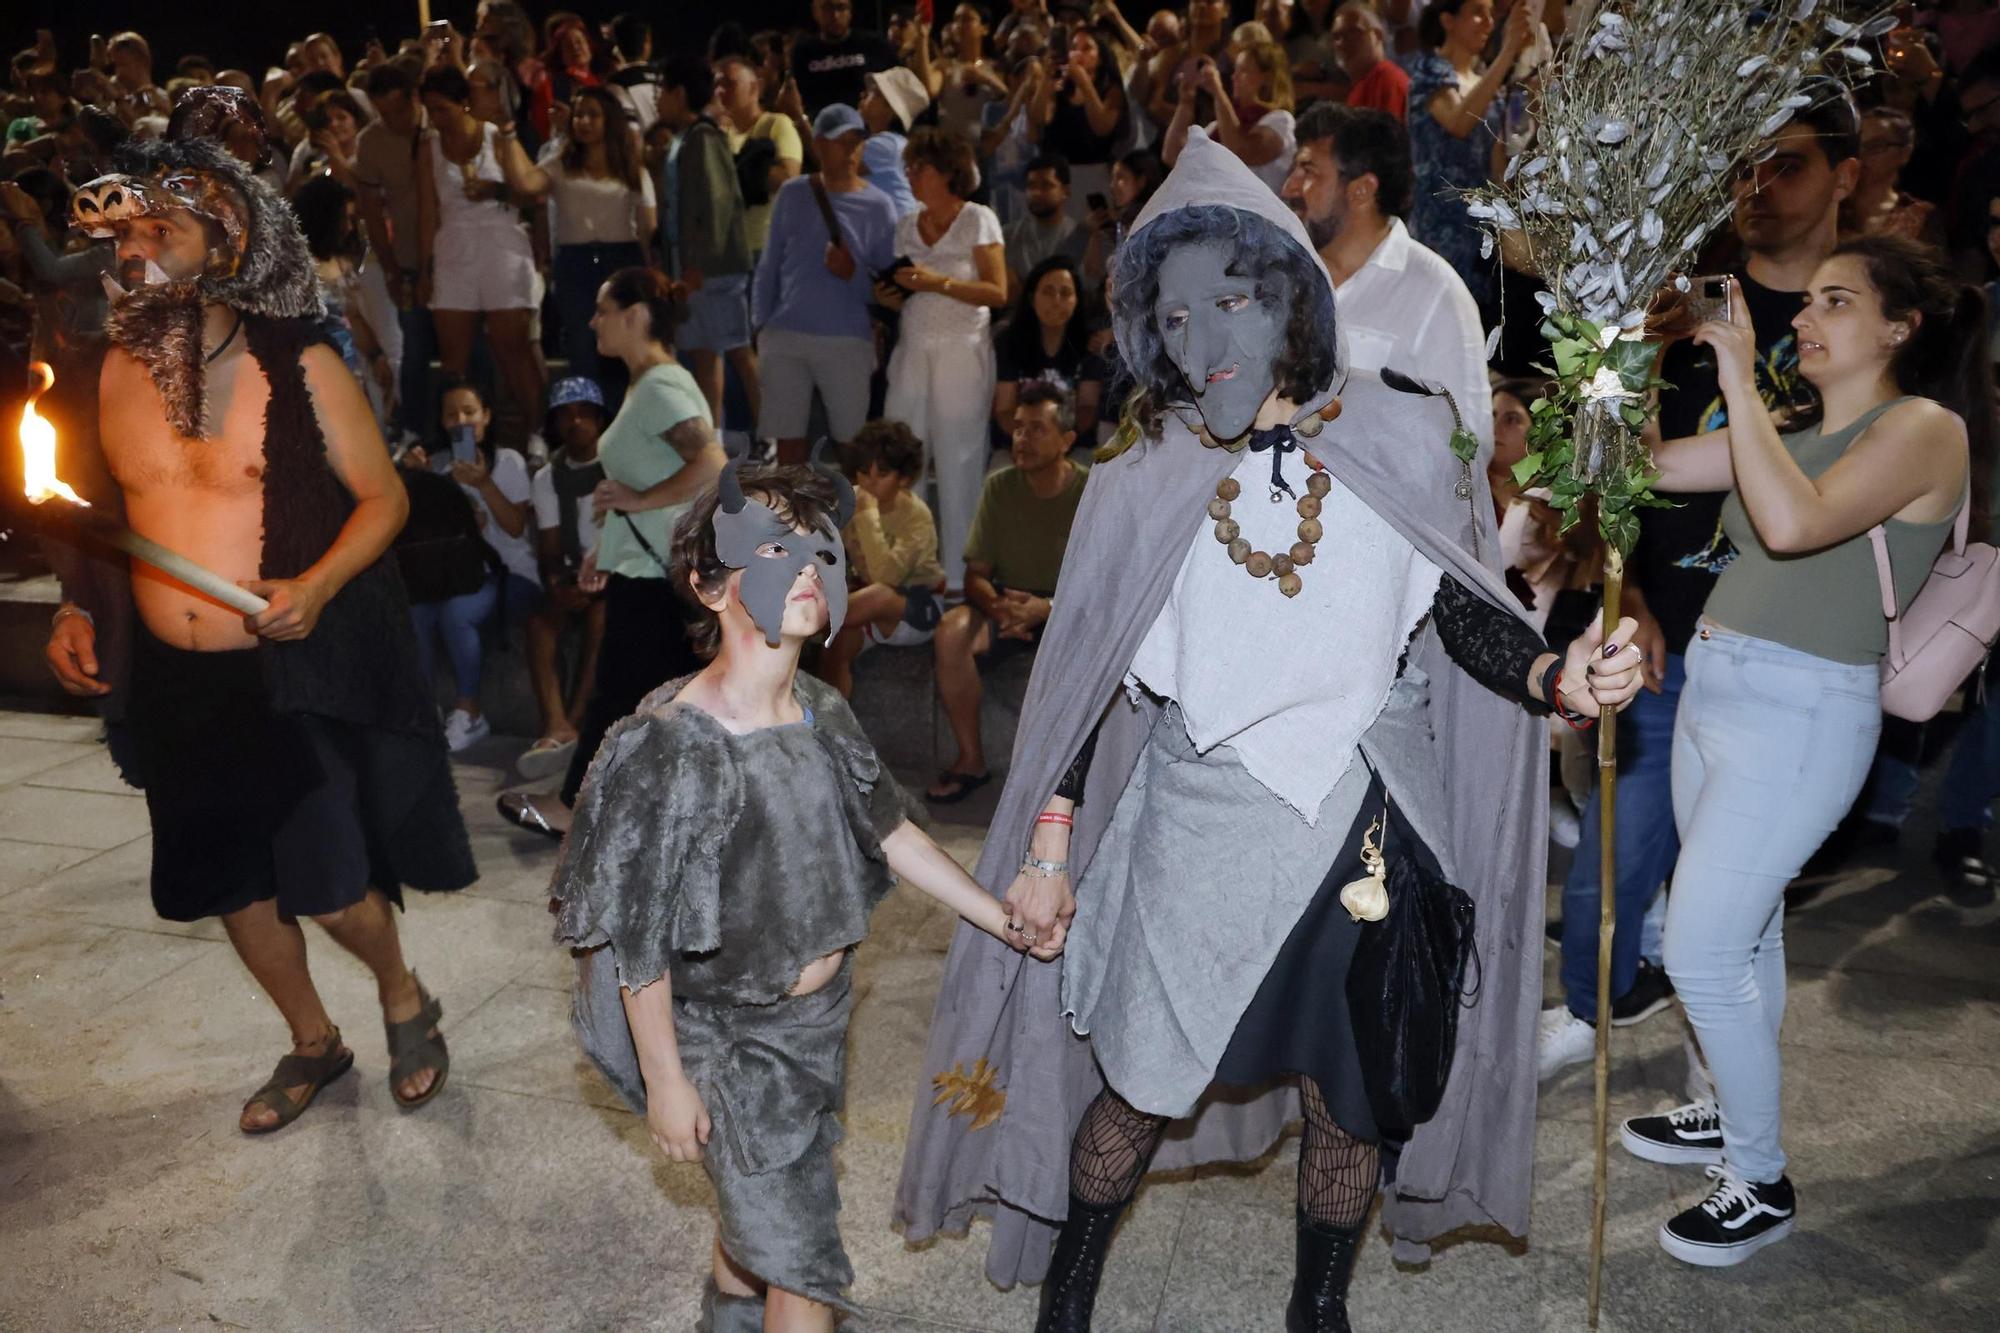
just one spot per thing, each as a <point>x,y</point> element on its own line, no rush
<point>1970,784</point>
<point>459,620</point>
<point>1647,846</point>
<point>1770,749</point>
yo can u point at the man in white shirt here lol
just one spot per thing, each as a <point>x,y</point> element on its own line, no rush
<point>1401,303</point>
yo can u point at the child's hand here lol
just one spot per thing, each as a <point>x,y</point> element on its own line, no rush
<point>677,1120</point>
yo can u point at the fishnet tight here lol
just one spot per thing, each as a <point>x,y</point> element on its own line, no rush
<point>1338,1173</point>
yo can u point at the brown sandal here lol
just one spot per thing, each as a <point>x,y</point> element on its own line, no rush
<point>312,1072</point>
<point>414,1046</point>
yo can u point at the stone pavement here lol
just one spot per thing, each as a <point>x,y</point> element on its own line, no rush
<point>526,1198</point>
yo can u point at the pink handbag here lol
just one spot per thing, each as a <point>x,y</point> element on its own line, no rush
<point>1948,628</point>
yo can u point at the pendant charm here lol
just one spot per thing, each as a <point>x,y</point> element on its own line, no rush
<point>1463,489</point>
<point>1367,898</point>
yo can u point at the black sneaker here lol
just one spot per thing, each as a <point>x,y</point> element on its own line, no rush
<point>1688,1135</point>
<point>1650,993</point>
<point>1968,878</point>
<point>1735,1221</point>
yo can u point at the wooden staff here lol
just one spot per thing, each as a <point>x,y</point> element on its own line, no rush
<point>1607,916</point>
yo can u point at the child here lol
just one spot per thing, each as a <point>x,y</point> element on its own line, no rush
<point>892,552</point>
<point>729,844</point>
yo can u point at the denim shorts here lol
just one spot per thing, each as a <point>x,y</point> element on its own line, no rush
<point>718,315</point>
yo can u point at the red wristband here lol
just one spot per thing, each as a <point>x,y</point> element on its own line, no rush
<point>1576,721</point>
<point>1049,817</point>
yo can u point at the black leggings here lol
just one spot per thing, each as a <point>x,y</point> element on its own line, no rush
<point>1338,1173</point>
<point>645,646</point>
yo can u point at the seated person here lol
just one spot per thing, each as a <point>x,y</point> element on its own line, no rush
<point>495,480</point>
<point>1047,338</point>
<point>565,531</point>
<point>1012,558</point>
<point>892,552</point>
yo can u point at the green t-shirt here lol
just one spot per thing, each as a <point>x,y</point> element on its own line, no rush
<point>1021,535</point>
<point>634,450</point>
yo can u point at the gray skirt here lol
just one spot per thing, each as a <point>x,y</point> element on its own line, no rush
<point>773,1079</point>
<point>1201,877</point>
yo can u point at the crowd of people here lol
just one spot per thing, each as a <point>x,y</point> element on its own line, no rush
<point>574,268</point>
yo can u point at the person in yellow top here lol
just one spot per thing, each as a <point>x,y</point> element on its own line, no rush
<point>742,117</point>
<point>892,552</point>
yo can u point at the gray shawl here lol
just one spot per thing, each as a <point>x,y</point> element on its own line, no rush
<point>1472,1163</point>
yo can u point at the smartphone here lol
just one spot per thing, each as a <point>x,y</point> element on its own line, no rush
<point>1711,299</point>
<point>464,449</point>
<point>1096,200</point>
<point>438,28</point>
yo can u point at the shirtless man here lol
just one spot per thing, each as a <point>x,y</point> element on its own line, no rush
<point>291,762</point>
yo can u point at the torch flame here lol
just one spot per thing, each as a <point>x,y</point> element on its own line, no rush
<point>38,447</point>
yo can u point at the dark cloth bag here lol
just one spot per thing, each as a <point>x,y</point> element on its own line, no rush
<point>1404,988</point>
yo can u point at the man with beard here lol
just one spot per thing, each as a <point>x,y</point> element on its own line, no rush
<point>1048,229</point>
<point>1403,306</point>
<point>292,759</point>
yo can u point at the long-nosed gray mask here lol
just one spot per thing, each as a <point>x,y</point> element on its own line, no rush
<point>753,537</point>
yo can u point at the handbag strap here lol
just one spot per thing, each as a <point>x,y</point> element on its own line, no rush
<point>826,214</point>
<point>1878,540</point>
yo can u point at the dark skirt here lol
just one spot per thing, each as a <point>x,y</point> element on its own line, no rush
<point>1298,1022</point>
<point>249,804</point>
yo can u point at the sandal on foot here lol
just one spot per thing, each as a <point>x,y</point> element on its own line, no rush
<point>963,785</point>
<point>519,809</point>
<point>311,1072</point>
<point>545,758</point>
<point>414,1046</point>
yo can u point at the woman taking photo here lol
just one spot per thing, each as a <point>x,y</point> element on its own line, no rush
<point>1047,338</point>
<point>1778,723</point>
<point>604,219</point>
<point>476,259</point>
<point>1080,113</point>
<point>964,83</point>
<point>1253,118</point>
<point>1455,118</point>
<point>941,373</point>
<point>658,453</point>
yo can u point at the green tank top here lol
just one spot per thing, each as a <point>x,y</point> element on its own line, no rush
<point>1826,602</point>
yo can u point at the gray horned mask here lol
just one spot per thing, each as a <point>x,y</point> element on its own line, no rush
<point>753,537</point>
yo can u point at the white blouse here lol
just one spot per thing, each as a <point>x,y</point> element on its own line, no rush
<point>933,314</point>
<point>594,210</point>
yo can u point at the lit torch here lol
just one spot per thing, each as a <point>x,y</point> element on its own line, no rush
<point>39,479</point>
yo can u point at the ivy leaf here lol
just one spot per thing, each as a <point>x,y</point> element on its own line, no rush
<point>1525,470</point>
<point>1464,445</point>
<point>1571,353</point>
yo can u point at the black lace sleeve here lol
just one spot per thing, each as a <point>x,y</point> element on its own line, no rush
<point>1494,648</point>
<point>1071,786</point>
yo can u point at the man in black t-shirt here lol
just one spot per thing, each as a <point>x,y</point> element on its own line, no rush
<point>1786,220</point>
<point>829,64</point>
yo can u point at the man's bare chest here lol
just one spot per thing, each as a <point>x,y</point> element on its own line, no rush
<point>148,457</point>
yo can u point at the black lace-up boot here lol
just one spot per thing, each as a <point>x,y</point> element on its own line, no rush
<point>1070,1290</point>
<point>1319,1292</point>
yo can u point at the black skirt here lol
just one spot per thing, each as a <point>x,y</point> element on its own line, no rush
<point>249,804</point>
<point>1298,1021</point>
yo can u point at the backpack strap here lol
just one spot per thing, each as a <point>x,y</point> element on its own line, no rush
<point>826,214</point>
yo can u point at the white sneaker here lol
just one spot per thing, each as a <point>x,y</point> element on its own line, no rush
<point>1561,1040</point>
<point>462,729</point>
<point>1565,827</point>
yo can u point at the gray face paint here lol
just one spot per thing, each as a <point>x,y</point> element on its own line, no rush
<point>750,536</point>
<point>1225,341</point>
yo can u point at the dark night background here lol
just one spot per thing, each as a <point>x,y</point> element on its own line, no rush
<point>252,36</point>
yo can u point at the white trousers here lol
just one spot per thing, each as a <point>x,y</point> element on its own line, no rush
<point>942,389</point>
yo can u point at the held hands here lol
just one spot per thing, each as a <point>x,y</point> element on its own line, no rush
<point>1594,683</point>
<point>1042,905</point>
<point>1734,341</point>
<point>677,1120</point>
<point>295,605</point>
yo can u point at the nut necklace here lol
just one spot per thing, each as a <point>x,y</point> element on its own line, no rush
<point>1262,564</point>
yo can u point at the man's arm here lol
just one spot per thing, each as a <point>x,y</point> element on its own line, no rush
<point>355,450</point>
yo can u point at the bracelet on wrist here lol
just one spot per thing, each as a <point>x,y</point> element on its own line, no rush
<point>1577,721</point>
<point>72,609</point>
<point>1050,817</point>
<point>1034,867</point>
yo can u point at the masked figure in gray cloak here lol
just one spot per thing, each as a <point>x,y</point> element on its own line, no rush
<point>1283,646</point>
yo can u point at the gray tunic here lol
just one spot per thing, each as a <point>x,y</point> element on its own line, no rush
<point>730,862</point>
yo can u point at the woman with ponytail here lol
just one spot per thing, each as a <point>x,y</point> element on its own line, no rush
<point>1778,723</point>
<point>659,454</point>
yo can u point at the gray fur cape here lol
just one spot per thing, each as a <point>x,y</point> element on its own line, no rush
<point>1472,1163</point>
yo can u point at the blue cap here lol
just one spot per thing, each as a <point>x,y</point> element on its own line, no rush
<point>836,119</point>
<point>575,389</point>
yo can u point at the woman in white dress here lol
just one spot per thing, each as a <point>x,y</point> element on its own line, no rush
<point>941,373</point>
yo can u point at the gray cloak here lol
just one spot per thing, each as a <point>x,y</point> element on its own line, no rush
<point>1469,1165</point>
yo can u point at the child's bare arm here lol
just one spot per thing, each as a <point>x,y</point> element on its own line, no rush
<point>674,1113</point>
<point>927,867</point>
